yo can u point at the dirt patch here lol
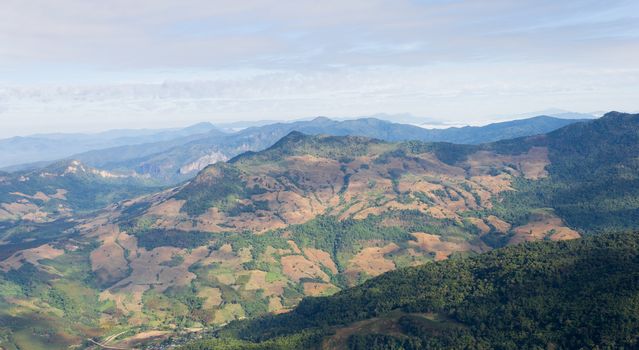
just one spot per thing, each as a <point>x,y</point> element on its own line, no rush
<point>275,304</point>
<point>499,224</point>
<point>32,256</point>
<point>480,224</point>
<point>544,226</point>
<point>108,262</point>
<point>169,208</point>
<point>257,281</point>
<point>531,164</point>
<point>128,242</point>
<point>317,289</point>
<point>261,223</point>
<point>433,244</point>
<point>152,268</point>
<point>534,163</point>
<point>320,257</point>
<point>315,174</point>
<point>23,209</point>
<point>39,196</point>
<point>441,213</point>
<point>227,257</point>
<point>271,255</point>
<point>494,184</point>
<point>357,207</point>
<point>212,297</point>
<point>295,208</point>
<point>371,260</point>
<point>5,215</point>
<point>297,267</point>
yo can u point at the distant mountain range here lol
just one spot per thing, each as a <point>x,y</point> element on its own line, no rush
<point>45,148</point>
<point>172,160</point>
<point>555,112</point>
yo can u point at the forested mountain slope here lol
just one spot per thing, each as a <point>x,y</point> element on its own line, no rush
<point>593,180</point>
<point>560,295</point>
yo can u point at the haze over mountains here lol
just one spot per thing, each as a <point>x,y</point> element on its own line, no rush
<point>49,147</point>
<point>170,156</point>
<point>313,214</point>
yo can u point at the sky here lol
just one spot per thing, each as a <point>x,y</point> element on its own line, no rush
<point>84,65</point>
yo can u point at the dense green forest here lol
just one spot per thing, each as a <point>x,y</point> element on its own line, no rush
<point>568,295</point>
<point>594,175</point>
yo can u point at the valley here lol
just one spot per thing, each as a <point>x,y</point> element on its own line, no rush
<point>303,175</point>
<point>310,216</point>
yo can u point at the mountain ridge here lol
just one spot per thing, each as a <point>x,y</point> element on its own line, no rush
<point>23,152</point>
<point>309,216</point>
<point>175,160</point>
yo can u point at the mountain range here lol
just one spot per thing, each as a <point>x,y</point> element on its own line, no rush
<point>175,160</point>
<point>44,148</point>
<point>308,216</point>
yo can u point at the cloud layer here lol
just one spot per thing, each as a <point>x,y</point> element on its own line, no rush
<point>89,64</point>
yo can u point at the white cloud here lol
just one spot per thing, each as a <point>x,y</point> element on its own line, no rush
<point>78,64</point>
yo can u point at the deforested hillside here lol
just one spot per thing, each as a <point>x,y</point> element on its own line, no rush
<point>309,216</point>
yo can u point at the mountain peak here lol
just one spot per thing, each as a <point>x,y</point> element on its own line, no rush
<point>293,136</point>
<point>615,114</point>
<point>200,127</point>
<point>298,143</point>
<point>321,119</point>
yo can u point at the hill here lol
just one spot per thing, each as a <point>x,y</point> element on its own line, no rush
<point>593,175</point>
<point>39,206</point>
<point>177,160</point>
<point>498,131</point>
<point>61,189</point>
<point>560,295</point>
<point>309,216</point>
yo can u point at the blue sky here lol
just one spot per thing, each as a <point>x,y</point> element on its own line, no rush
<point>81,65</point>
